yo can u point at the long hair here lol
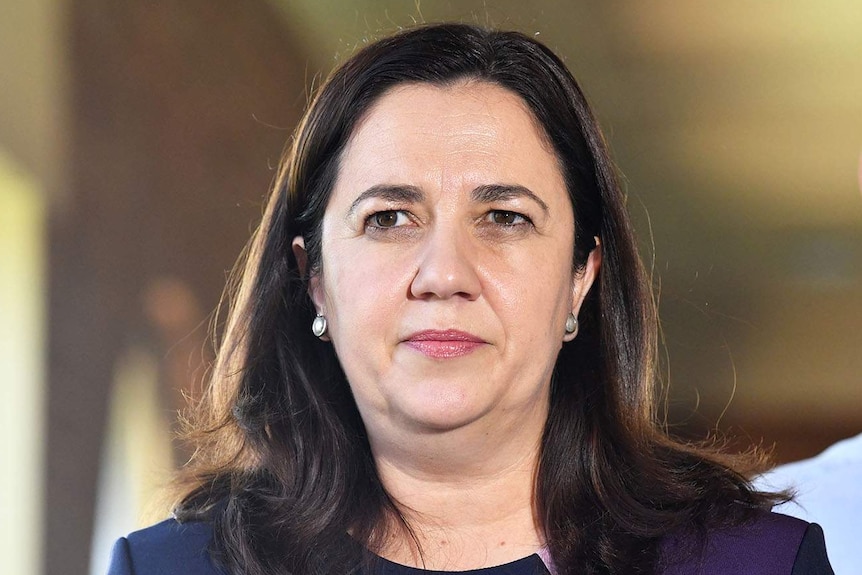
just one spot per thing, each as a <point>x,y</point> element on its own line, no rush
<point>283,467</point>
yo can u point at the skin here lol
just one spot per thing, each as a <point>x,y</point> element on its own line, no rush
<point>417,235</point>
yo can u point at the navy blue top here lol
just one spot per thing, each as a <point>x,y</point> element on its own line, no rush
<point>773,544</point>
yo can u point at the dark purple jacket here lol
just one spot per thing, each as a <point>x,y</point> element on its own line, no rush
<point>772,544</point>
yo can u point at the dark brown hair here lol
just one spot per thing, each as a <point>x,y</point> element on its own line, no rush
<point>283,467</point>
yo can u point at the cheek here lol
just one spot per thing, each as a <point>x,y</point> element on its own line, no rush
<point>535,284</point>
<point>365,293</point>
<point>363,288</point>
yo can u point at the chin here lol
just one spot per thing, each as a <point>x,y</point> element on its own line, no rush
<point>445,419</point>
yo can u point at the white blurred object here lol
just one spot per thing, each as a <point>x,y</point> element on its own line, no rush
<point>136,456</point>
<point>828,492</point>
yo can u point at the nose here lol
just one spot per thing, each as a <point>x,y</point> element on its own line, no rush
<point>446,268</point>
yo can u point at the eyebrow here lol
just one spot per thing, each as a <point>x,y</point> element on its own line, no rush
<point>391,193</point>
<point>485,194</point>
<point>501,192</point>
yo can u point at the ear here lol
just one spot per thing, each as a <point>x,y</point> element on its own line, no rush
<point>583,281</point>
<point>315,289</point>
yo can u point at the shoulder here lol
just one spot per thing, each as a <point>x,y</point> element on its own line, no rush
<point>165,548</point>
<point>768,544</point>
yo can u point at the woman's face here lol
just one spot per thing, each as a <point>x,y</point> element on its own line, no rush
<point>446,273</point>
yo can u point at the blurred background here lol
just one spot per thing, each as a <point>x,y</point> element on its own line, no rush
<point>138,141</point>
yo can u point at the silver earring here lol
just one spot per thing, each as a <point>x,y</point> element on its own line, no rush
<point>571,324</point>
<point>318,326</point>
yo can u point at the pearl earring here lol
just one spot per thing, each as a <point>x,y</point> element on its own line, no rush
<point>571,325</point>
<point>318,326</point>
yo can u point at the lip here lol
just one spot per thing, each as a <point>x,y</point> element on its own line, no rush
<point>444,344</point>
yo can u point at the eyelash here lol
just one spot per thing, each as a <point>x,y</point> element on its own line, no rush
<point>524,220</point>
<point>371,218</point>
<point>520,219</point>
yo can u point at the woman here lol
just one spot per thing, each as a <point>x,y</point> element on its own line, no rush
<point>441,352</point>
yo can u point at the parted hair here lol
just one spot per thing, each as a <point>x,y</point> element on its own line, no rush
<point>282,466</point>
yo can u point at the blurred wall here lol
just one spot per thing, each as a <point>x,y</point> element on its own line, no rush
<point>22,361</point>
<point>32,125</point>
<point>177,116</point>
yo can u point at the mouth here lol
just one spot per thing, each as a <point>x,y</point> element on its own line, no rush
<point>444,344</point>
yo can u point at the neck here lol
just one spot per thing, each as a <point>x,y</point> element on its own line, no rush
<point>466,494</point>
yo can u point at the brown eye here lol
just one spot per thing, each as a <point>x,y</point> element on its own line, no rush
<point>387,219</point>
<point>505,218</point>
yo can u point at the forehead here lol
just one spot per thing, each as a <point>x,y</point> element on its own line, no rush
<point>450,135</point>
<point>459,105</point>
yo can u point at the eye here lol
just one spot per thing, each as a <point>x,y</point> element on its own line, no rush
<point>507,218</point>
<point>387,219</point>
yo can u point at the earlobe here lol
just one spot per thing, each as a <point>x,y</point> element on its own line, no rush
<point>581,285</point>
<point>571,327</point>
